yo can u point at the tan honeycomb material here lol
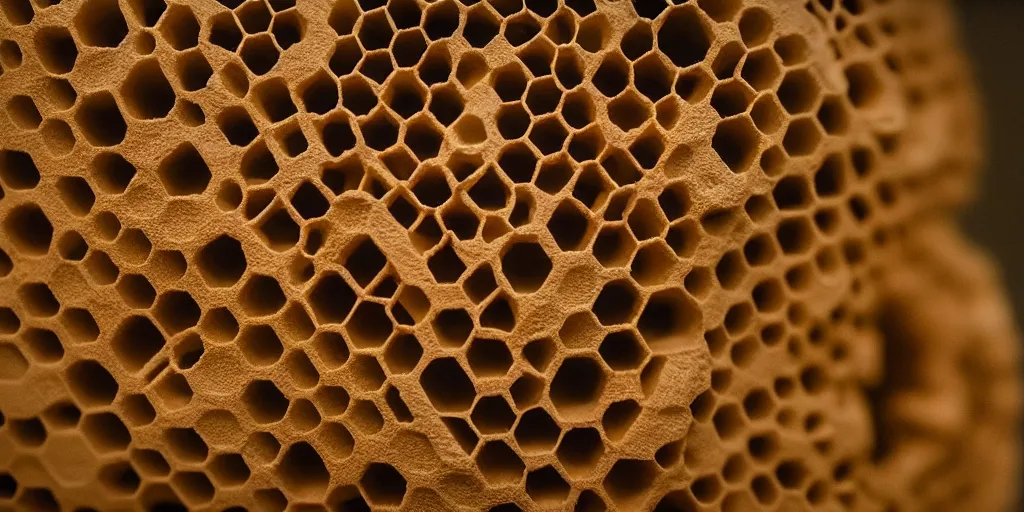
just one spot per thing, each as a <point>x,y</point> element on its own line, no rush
<point>481,254</point>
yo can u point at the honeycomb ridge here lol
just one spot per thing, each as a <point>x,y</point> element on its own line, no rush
<point>494,255</point>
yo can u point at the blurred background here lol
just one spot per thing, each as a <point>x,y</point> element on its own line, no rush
<point>993,31</point>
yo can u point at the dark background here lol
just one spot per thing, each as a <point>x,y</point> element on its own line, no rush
<point>993,31</point>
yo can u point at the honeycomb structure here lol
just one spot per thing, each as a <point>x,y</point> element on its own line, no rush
<point>495,255</point>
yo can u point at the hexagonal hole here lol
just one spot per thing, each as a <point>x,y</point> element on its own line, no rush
<point>670,321</point>
<point>179,27</point>
<point>489,358</point>
<point>184,171</point>
<point>176,311</point>
<point>492,415</point>
<point>736,142</point>
<point>569,226</point>
<point>499,464</point>
<point>302,471</point>
<point>100,120</point>
<point>580,451</point>
<point>622,351</point>
<point>105,432</point>
<point>264,401</point>
<point>56,49</point>
<point>383,484</point>
<point>577,386</point>
<point>447,386</point>
<point>259,54</point>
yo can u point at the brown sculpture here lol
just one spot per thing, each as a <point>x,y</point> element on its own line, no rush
<point>494,255</point>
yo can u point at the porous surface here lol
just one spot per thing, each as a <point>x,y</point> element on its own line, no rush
<point>481,254</point>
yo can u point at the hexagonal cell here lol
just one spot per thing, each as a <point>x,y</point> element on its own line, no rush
<point>499,314</point>
<point>445,264</point>
<point>176,311</point>
<point>56,49</point>
<point>119,478</point>
<point>548,135</point>
<point>545,486</point>
<point>259,53</point>
<point>136,341</point>
<point>767,114</point>
<point>138,410</point>
<point>802,137</point>
<point>42,345</point>
<point>492,415</point>
<point>653,263</point>
<point>614,246</point>
<point>580,451</point>
<point>578,109</point>
<point>526,266</point>
<point>331,298</point>
<point>100,120</point>
<point>91,383</point>
<point>105,432</point>
<point>627,481</point>
<point>499,464</point>
<point>302,471</point>
<point>383,484</point>
<point>731,97</point>
<point>537,432</point>
<point>261,296</point>
<point>621,350</point>
<point>146,92</point>
<point>570,226</point>
<point>369,325</point>
<point>23,111</point>
<point>616,303</point>
<point>799,91</point>
<point>619,417</point>
<point>260,345</point>
<point>375,33</point>
<point>184,171</point>
<point>447,386</point>
<point>229,470</point>
<point>28,229</point>
<point>865,88</point>
<point>136,291</point>
<point>403,353</point>
<point>179,27</point>
<point>577,386</point>
<point>221,262</point>
<point>684,36</point>
<point>736,142</point>
<point>264,401</point>
<point>612,76</point>
<point>273,99</point>
<point>452,327</point>
<point>761,69</point>
<point>150,462</point>
<point>17,170</point>
<point>489,358</point>
<point>518,162</point>
<point>28,432</point>
<point>629,111</point>
<point>481,26</point>
<point>186,444</point>
<point>669,321</point>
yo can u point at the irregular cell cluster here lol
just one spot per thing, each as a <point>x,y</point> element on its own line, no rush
<point>493,255</point>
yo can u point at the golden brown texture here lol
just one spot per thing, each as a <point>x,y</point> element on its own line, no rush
<point>471,255</point>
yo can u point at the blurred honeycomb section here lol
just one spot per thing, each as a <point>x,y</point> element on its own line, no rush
<point>586,255</point>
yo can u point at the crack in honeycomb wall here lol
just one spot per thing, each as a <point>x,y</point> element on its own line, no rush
<point>494,254</point>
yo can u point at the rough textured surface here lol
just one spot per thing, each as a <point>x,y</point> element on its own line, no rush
<point>472,254</point>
